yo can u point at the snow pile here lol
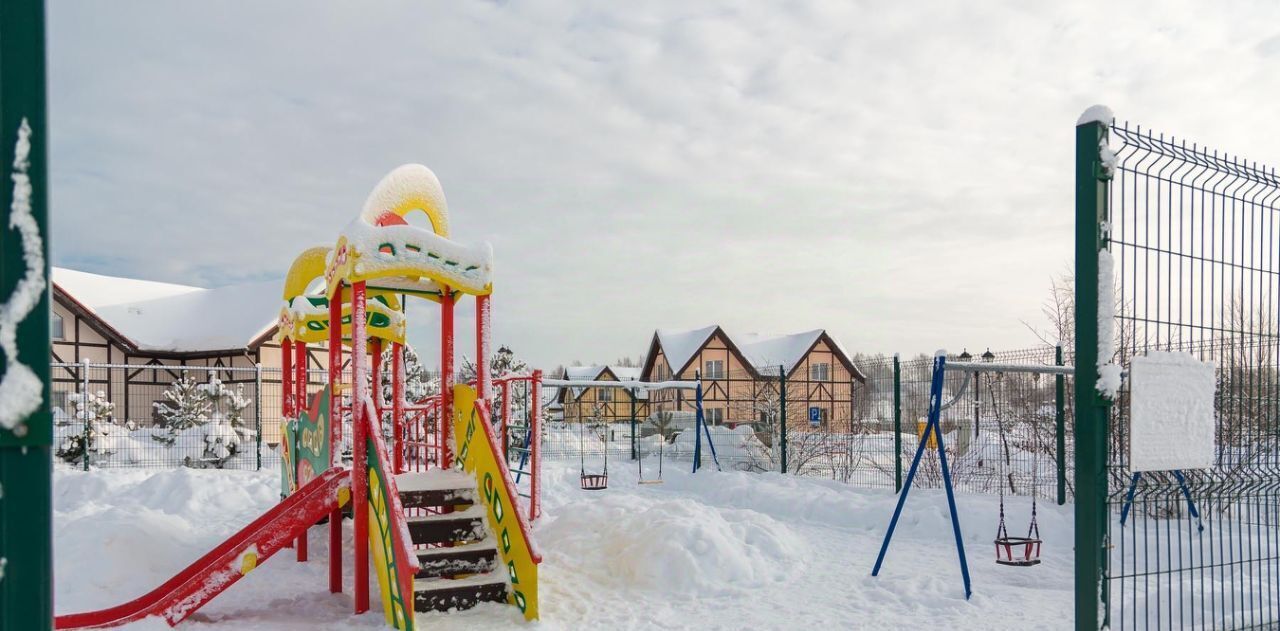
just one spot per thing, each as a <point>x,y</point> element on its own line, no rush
<point>733,447</point>
<point>676,547</point>
<point>713,550</point>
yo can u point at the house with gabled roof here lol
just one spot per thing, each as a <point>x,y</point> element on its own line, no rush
<point>602,404</point>
<point>151,330</point>
<point>742,375</point>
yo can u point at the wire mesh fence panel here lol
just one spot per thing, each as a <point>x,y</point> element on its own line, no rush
<point>1194,240</point>
<point>1000,430</point>
<point>160,416</point>
<point>834,427</point>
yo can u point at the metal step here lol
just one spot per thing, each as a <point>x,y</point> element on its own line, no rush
<point>438,498</point>
<point>474,558</point>
<point>459,527</point>
<point>457,594</point>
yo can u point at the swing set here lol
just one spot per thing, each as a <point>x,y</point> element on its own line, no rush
<point>1010,551</point>
<point>600,481</point>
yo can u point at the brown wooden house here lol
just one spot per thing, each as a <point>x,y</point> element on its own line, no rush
<point>741,377</point>
<point>602,404</point>
<point>138,335</point>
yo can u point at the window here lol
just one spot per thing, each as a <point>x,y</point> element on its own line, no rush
<point>55,327</point>
<point>714,416</point>
<point>714,369</point>
<point>820,372</point>
<point>604,394</point>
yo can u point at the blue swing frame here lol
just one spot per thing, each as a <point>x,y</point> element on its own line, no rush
<point>933,427</point>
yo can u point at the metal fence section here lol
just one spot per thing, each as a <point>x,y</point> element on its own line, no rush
<point>1010,430</point>
<point>159,416</point>
<point>1001,429</point>
<point>1192,238</point>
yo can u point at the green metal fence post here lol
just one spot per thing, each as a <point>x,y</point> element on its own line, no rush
<point>1060,426</point>
<point>1091,596</point>
<point>634,453</point>
<point>26,428</point>
<point>897,424</point>
<point>782,414</point>
<point>84,410</point>
<point>257,406</point>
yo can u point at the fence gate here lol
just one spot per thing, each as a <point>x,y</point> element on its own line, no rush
<point>1188,244</point>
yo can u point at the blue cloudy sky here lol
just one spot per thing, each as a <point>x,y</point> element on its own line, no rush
<point>897,173</point>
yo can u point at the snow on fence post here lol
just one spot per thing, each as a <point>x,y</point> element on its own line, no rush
<point>1092,409</point>
<point>84,409</point>
<point>782,415</point>
<point>257,407</point>
<point>897,424</point>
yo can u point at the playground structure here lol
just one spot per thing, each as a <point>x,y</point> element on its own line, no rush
<point>435,508</point>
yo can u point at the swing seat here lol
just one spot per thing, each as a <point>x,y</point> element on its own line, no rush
<point>649,482</point>
<point>594,482</point>
<point>1017,551</point>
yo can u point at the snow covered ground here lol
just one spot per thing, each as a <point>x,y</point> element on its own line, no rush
<point>708,551</point>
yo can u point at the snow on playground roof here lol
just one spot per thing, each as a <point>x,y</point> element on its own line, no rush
<point>175,318</point>
<point>766,353</point>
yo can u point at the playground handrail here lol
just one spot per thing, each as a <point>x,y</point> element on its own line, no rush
<point>403,541</point>
<point>482,408</point>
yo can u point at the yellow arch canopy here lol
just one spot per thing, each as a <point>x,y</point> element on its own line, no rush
<point>380,248</point>
<point>306,318</point>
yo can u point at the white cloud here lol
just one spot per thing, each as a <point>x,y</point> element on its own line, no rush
<point>899,174</point>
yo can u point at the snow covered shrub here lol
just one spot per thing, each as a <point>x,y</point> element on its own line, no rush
<point>89,428</point>
<point>185,405</point>
<point>223,432</point>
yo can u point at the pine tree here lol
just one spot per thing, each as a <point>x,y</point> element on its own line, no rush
<point>88,426</point>
<point>502,363</point>
<point>227,426</point>
<point>185,405</point>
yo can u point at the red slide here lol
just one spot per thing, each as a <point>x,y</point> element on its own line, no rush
<point>181,595</point>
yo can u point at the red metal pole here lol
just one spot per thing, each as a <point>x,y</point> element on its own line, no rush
<point>335,429</point>
<point>360,425</point>
<point>535,448</point>
<point>397,405</point>
<point>446,376</point>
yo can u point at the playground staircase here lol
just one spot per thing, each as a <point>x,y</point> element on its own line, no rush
<point>457,554</point>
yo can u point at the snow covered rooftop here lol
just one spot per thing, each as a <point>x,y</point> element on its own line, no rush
<point>766,353</point>
<point>175,318</point>
<point>679,346</point>
<point>592,373</point>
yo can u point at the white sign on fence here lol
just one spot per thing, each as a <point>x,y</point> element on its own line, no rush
<point>1171,420</point>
